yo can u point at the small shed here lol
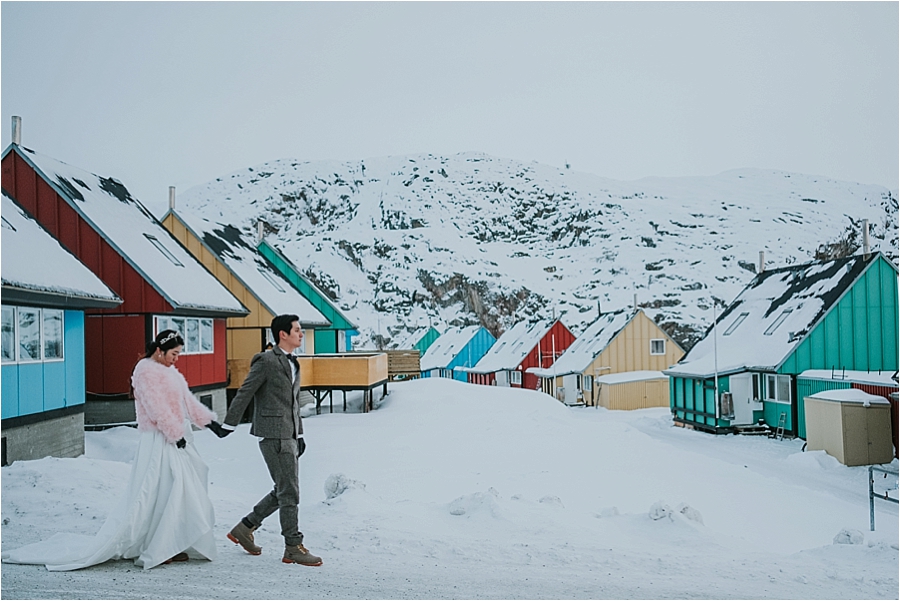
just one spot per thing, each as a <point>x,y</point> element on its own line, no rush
<point>45,291</point>
<point>456,348</point>
<point>525,345</point>
<point>160,283</point>
<point>852,426</point>
<point>633,390</point>
<point>618,341</point>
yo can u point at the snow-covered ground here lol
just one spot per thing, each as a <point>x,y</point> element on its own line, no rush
<point>451,490</point>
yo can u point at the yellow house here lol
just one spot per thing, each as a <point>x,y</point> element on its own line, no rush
<point>250,277</point>
<point>617,342</point>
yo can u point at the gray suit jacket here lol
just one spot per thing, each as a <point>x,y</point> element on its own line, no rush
<point>276,412</point>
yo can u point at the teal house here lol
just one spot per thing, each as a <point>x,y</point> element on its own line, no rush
<point>458,347</point>
<point>838,315</point>
<point>45,293</point>
<point>336,338</point>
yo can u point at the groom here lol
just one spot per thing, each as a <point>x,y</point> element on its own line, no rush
<point>274,383</point>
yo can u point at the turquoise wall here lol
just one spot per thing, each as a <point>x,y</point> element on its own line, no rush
<point>427,340</point>
<point>30,388</point>
<point>859,333</point>
<point>470,354</point>
<point>689,398</point>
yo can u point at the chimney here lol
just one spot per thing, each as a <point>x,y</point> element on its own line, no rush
<point>635,301</point>
<point>260,231</point>
<point>17,131</point>
<point>762,261</point>
<point>865,237</point>
<point>171,198</point>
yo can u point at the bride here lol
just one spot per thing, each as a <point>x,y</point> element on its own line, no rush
<point>165,514</point>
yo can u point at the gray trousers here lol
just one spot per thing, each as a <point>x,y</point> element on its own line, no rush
<point>280,455</point>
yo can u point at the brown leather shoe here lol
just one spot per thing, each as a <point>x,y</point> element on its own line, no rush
<point>300,554</point>
<point>243,536</point>
<point>178,557</point>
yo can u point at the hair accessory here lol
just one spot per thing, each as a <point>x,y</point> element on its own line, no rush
<point>168,338</point>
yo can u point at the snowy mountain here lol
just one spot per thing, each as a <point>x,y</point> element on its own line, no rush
<point>401,242</point>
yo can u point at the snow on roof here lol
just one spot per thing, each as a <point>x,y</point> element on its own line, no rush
<point>850,395</point>
<point>136,234</point>
<point>443,350</point>
<point>632,376</point>
<point>882,378</point>
<point>252,269</point>
<point>512,347</point>
<point>34,260</point>
<point>411,339</point>
<point>771,316</point>
<point>586,347</point>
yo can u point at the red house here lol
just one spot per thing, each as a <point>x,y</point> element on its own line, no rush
<point>525,345</point>
<point>160,282</point>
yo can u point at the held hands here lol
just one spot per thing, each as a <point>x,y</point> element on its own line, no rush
<point>181,443</point>
<point>218,430</point>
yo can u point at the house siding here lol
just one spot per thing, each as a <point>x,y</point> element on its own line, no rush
<point>471,353</point>
<point>30,388</point>
<point>860,333</point>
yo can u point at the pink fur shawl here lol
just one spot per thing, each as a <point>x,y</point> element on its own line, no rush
<point>158,394</point>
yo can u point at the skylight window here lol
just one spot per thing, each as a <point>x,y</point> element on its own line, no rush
<point>269,278</point>
<point>771,329</point>
<point>740,319</point>
<point>7,225</point>
<point>165,251</point>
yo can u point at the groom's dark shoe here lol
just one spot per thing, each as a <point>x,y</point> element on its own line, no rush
<point>300,554</point>
<point>243,535</point>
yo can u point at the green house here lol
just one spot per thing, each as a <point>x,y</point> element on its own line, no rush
<point>419,339</point>
<point>833,315</point>
<point>334,339</point>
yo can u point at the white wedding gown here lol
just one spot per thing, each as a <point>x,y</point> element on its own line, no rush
<point>165,510</point>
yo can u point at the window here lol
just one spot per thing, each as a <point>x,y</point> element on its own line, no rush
<point>757,385</point>
<point>197,332</point>
<point>30,334</point>
<point>778,389</point>
<point>771,329</point>
<point>53,336</point>
<point>658,346</point>
<point>515,377</point>
<point>738,321</point>
<point>9,334</point>
<point>29,326</point>
<point>165,251</point>
<point>270,279</point>
<point>588,382</point>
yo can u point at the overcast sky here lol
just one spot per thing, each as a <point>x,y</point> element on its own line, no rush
<point>160,94</point>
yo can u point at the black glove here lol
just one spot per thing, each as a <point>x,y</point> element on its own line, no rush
<point>181,443</point>
<point>218,430</point>
<point>301,446</point>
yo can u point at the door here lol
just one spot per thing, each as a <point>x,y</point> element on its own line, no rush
<point>742,397</point>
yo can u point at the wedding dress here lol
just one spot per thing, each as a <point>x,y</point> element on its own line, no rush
<point>165,510</point>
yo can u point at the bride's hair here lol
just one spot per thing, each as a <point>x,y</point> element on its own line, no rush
<point>164,341</point>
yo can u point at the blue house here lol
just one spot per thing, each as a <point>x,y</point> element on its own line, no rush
<point>833,315</point>
<point>45,290</point>
<point>458,347</point>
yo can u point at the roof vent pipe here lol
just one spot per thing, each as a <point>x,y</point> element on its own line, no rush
<point>260,231</point>
<point>17,130</point>
<point>171,198</point>
<point>762,261</point>
<point>865,237</point>
<point>635,301</point>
